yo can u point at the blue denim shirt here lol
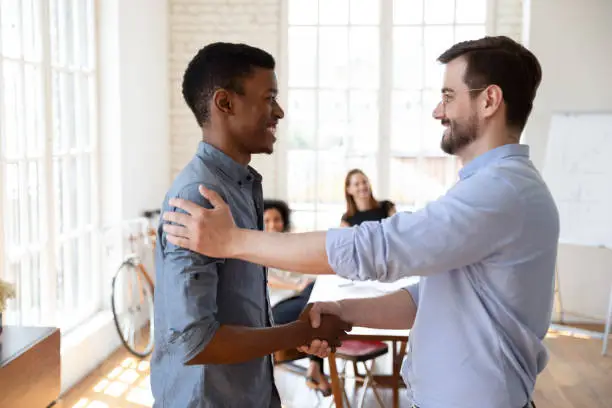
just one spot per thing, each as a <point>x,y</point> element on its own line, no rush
<point>486,255</point>
<point>196,294</point>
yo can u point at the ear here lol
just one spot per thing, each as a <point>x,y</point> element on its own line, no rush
<point>222,100</point>
<point>494,97</point>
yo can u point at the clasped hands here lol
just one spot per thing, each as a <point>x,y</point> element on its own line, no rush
<point>324,327</point>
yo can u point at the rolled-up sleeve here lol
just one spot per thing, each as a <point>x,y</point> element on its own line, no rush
<point>477,216</point>
<point>190,291</point>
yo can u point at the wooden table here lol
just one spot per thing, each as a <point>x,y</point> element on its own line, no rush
<point>331,288</point>
<point>29,366</point>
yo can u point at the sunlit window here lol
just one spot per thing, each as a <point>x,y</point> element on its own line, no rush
<point>363,82</point>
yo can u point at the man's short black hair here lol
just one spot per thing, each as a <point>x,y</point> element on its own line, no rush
<point>283,209</point>
<point>220,65</point>
<point>503,62</point>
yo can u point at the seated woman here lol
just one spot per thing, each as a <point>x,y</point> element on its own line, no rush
<point>299,286</point>
<point>361,205</point>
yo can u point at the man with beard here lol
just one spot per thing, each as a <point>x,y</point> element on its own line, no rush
<point>213,338</point>
<point>485,251</point>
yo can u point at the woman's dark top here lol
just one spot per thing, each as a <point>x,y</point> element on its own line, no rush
<point>375,214</point>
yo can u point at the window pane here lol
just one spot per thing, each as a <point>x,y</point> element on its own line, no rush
<point>302,56</point>
<point>60,196</point>
<point>365,11</point>
<point>301,115</point>
<point>407,11</point>
<point>79,136</point>
<point>363,116</point>
<point>35,110</point>
<point>13,110</point>
<point>302,220</point>
<point>333,57</point>
<point>439,11</point>
<point>35,179</point>
<point>71,189</point>
<point>301,167</point>
<point>437,40</point>
<point>11,28</point>
<point>31,10</point>
<point>330,177</point>
<point>408,58</point>
<point>90,27</point>
<point>63,112</point>
<point>333,12</point>
<point>471,11</point>
<point>406,118</point>
<point>303,12</point>
<point>403,183</point>
<point>364,57</point>
<point>55,33</point>
<point>328,216</point>
<point>90,89</point>
<point>333,118</point>
<point>85,189</point>
<point>469,32</point>
<point>13,203</point>
<point>62,21</point>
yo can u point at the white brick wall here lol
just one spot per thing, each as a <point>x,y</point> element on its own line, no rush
<point>194,23</point>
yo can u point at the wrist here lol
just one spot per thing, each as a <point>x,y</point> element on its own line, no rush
<point>301,331</point>
<point>341,311</point>
<point>236,239</point>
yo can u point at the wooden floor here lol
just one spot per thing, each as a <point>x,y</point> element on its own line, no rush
<point>576,376</point>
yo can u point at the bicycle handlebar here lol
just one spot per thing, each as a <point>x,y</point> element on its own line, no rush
<point>148,214</point>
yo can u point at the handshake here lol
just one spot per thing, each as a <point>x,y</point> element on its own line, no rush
<point>323,328</point>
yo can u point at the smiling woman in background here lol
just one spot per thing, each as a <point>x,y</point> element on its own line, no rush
<point>360,202</point>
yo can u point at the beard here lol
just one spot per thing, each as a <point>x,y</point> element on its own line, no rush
<point>459,135</point>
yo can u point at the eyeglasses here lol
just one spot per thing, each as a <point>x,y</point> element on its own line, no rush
<point>449,96</point>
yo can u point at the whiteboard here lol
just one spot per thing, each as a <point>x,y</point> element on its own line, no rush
<point>578,171</point>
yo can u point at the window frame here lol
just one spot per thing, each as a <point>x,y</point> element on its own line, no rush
<point>45,244</point>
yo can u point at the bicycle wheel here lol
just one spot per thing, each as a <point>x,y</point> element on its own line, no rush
<point>132,305</point>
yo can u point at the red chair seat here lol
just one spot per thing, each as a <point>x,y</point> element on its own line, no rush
<point>358,350</point>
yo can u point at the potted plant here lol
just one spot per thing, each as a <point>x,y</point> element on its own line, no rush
<point>7,291</point>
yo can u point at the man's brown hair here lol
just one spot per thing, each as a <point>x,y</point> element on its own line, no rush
<point>503,62</point>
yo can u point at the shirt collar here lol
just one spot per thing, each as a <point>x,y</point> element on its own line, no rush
<point>235,171</point>
<point>493,156</point>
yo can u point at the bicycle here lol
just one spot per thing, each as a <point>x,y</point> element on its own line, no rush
<point>132,295</point>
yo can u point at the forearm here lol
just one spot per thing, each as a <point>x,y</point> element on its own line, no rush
<point>303,253</point>
<point>237,344</point>
<point>395,311</point>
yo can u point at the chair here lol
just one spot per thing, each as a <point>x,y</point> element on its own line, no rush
<point>359,351</point>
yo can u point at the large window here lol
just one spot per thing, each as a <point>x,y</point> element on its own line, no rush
<point>363,82</point>
<point>48,160</point>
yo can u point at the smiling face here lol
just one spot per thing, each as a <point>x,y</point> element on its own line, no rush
<point>457,111</point>
<point>255,112</point>
<point>358,186</point>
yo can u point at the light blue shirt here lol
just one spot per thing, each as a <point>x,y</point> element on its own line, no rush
<point>196,294</point>
<point>486,252</point>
